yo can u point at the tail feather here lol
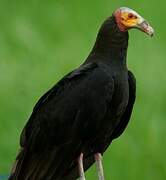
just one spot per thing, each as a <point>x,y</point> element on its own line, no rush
<point>37,166</point>
<point>47,164</point>
<point>17,164</point>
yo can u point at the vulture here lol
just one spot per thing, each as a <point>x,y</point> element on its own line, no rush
<point>74,122</point>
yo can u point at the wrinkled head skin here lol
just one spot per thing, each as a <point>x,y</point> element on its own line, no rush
<point>127,18</point>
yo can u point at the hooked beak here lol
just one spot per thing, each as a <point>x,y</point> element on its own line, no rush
<point>145,27</point>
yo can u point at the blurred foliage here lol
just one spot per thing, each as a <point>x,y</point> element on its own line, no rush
<point>40,41</point>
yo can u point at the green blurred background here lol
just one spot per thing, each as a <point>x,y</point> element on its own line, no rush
<point>40,41</point>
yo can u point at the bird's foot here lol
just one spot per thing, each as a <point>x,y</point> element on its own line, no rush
<point>80,167</point>
<point>98,160</point>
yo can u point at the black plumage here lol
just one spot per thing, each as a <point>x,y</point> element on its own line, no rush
<point>83,112</point>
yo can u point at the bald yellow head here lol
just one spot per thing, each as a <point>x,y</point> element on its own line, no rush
<point>127,18</point>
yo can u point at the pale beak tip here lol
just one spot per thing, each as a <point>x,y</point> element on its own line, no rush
<point>145,27</point>
<point>150,31</point>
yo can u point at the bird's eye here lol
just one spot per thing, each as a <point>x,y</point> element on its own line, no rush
<point>130,15</point>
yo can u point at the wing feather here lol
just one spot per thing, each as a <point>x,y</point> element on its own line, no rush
<point>126,116</point>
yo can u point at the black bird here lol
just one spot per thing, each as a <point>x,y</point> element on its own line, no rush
<point>73,124</point>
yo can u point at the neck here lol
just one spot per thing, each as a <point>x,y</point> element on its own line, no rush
<point>111,44</point>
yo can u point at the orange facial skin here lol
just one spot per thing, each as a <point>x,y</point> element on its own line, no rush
<point>126,20</point>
